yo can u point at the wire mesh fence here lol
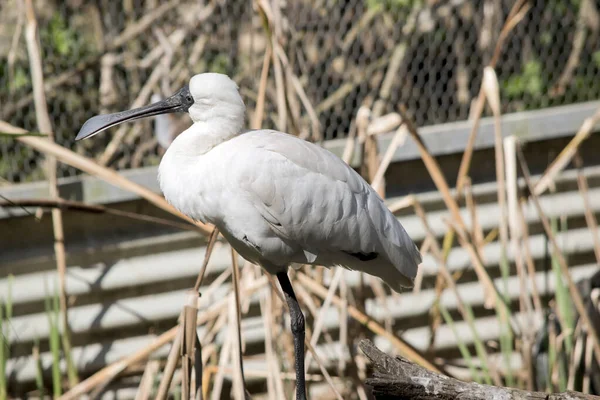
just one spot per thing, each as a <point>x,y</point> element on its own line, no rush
<point>104,56</point>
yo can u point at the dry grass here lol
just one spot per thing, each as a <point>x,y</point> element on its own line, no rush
<point>203,367</point>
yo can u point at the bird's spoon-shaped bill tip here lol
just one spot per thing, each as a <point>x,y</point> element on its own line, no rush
<point>179,102</point>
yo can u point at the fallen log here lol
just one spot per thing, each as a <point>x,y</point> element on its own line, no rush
<point>398,378</point>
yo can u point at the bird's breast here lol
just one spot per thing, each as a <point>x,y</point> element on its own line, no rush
<point>188,187</point>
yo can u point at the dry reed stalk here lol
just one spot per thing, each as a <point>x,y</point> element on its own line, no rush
<point>476,229</point>
<point>44,125</point>
<point>297,85</point>
<point>458,223</point>
<point>320,319</point>
<point>141,99</point>
<point>306,299</point>
<point>450,283</point>
<point>278,310</point>
<point>279,89</point>
<point>585,387</point>
<point>370,160</point>
<point>433,168</point>
<point>516,14</point>
<point>209,249</point>
<point>575,295</point>
<point>566,155</point>
<point>552,361</point>
<point>404,348</point>
<point>262,88</point>
<point>250,273</point>
<point>492,93</point>
<point>86,165</point>
<point>492,296</point>
<point>576,357</point>
<point>223,359</point>
<point>239,380</point>
<point>348,86</point>
<point>173,357</point>
<point>145,388</point>
<point>401,204</point>
<point>344,338</point>
<point>380,297</point>
<point>170,366</point>
<point>529,329</point>
<point>397,141</point>
<point>188,349</point>
<point>12,52</point>
<point>274,384</point>
<point>535,293</point>
<point>309,302</point>
<point>115,368</point>
<point>175,39</point>
<point>513,218</point>
<point>328,378</point>
<point>390,78</point>
<point>365,20</point>
<point>350,143</point>
<point>377,179</point>
<point>558,89</point>
<point>383,124</point>
<point>63,204</point>
<point>226,348</point>
<point>288,376</point>
<point>198,368</point>
<point>361,366</point>
<point>590,218</point>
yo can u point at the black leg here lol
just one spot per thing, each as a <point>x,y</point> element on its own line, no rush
<point>297,322</point>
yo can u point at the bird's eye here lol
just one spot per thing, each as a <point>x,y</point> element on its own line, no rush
<point>189,98</point>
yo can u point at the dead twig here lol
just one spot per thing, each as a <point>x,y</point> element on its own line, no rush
<point>44,125</point>
<point>558,89</point>
<point>72,205</point>
<point>86,165</point>
<point>241,381</point>
<point>457,222</point>
<point>516,14</point>
<point>371,324</point>
<point>567,154</point>
<point>119,366</point>
<point>188,349</point>
<point>575,295</point>
<point>590,218</point>
<point>147,382</point>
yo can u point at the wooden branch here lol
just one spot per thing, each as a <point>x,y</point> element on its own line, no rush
<point>398,378</point>
<point>84,164</point>
<point>72,205</point>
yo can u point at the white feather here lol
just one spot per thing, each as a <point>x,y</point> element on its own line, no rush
<point>279,199</point>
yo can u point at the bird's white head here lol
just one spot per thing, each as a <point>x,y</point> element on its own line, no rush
<point>216,97</point>
<point>209,97</point>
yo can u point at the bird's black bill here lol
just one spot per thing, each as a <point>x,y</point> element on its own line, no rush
<point>179,102</point>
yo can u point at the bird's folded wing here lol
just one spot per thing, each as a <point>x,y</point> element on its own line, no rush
<point>311,197</point>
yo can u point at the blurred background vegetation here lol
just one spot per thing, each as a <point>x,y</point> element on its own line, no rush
<point>339,50</point>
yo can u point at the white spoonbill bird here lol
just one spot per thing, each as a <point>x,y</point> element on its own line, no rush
<point>276,198</point>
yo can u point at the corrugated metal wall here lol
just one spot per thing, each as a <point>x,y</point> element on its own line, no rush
<point>127,279</point>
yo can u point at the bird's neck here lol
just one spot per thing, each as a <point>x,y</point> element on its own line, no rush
<point>203,136</point>
<point>183,160</point>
